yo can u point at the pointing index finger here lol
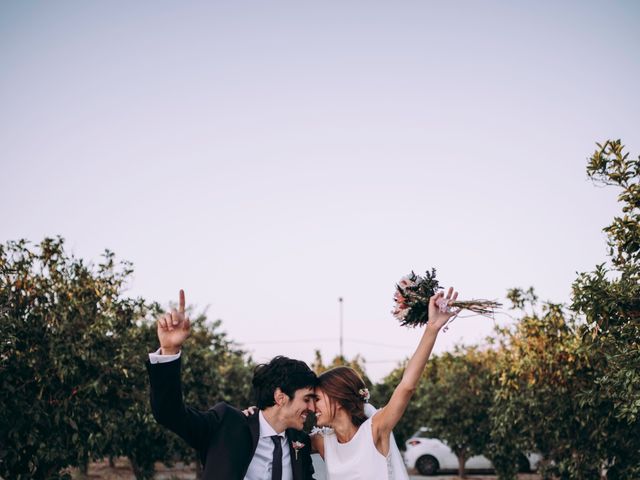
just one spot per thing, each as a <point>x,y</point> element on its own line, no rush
<point>181,304</point>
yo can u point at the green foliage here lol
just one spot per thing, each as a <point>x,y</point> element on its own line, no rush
<point>521,298</point>
<point>73,383</point>
<point>610,165</point>
<point>60,357</point>
<point>569,385</point>
<point>213,368</point>
<point>612,298</point>
<point>452,400</point>
<point>541,368</point>
<point>610,302</point>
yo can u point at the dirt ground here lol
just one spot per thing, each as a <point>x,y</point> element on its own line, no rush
<point>122,471</point>
<point>471,476</point>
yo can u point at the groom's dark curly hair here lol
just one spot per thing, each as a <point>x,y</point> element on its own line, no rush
<point>281,372</point>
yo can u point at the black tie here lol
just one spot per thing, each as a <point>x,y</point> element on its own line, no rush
<point>276,472</point>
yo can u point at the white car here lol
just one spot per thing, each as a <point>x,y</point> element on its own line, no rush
<point>429,455</point>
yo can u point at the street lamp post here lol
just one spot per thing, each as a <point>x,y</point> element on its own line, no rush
<point>341,327</point>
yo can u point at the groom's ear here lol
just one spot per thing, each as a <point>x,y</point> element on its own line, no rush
<point>279,397</point>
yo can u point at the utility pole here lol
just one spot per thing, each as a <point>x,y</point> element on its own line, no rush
<point>341,325</point>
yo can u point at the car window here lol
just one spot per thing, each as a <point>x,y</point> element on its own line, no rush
<point>424,432</point>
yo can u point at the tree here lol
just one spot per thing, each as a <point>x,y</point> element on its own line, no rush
<point>570,385</point>
<point>73,383</point>
<point>609,299</point>
<point>61,325</point>
<point>454,399</point>
<point>541,368</point>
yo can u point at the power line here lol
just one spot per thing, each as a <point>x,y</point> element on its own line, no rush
<point>306,340</point>
<point>377,344</point>
<point>311,340</point>
<point>367,362</point>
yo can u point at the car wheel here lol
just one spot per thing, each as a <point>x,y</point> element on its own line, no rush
<point>523,464</point>
<point>427,465</point>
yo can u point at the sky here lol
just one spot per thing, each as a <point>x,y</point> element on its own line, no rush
<point>272,157</point>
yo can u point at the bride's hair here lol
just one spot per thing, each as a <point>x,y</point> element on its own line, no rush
<point>344,386</point>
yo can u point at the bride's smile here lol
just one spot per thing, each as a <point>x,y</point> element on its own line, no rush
<point>323,409</point>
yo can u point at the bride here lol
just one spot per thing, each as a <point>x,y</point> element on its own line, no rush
<point>358,443</point>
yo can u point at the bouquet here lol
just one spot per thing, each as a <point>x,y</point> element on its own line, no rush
<point>412,300</point>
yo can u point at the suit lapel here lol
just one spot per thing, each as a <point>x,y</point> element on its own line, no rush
<point>254,427</point>
<point>253,424</point>
<point>296,460</point>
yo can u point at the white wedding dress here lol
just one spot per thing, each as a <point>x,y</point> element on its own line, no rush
<point>359,459</point>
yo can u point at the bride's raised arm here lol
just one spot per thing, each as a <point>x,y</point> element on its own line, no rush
<point>388,416</point>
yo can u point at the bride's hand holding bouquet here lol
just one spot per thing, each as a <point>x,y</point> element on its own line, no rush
<point>440,310</point>
<point>414,301</point>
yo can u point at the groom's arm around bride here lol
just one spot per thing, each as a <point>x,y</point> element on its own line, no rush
<point>268,445</point>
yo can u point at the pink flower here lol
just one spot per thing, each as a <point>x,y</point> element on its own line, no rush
<point>405,282</point>
<point>364,393</point>
<point>399,298</point>
<point>297,446</point>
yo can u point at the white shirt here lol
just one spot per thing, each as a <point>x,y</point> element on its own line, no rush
<point>155,357</point>
<point>261,463</point>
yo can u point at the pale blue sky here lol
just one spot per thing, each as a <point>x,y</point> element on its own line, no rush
<point>269,157</point>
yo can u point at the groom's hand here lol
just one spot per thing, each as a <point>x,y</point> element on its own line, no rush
<point>173,328</point>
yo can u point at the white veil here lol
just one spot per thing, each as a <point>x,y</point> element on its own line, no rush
<point>397,470</point>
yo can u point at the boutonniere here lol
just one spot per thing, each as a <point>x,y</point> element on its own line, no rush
<point>297,446</point>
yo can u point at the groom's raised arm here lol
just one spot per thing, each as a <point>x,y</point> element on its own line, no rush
<point>167,403</point>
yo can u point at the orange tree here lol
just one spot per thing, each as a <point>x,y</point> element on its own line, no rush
<point>452,400</point>
<point>540,368</point>
<point>73,384</point>
<point>569,382</point>
<point>61,366</point>
<point>609,299</point>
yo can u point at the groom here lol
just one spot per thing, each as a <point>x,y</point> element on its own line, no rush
<point>268,445</point>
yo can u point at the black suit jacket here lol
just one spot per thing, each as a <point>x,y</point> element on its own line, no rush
<point>225,439</point>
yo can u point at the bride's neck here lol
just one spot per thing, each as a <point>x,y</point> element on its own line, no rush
<point>344,429</point>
